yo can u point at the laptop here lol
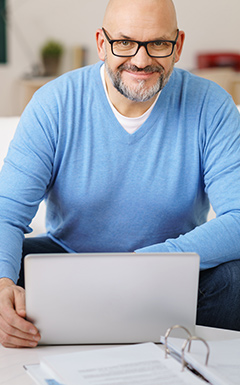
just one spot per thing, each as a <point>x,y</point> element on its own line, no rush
<point>110,298</point>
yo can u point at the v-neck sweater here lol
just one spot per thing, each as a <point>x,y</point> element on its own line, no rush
<point>109,191</point>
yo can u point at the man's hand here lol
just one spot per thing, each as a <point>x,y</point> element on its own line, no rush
<point>15,331</point>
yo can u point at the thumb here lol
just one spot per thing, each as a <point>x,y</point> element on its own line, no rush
<point>20,302</point>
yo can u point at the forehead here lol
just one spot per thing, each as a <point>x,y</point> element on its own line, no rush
<point>142,20</point>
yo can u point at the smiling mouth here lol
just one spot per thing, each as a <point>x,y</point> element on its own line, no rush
<point>141,73</point>
<point>147,69</point>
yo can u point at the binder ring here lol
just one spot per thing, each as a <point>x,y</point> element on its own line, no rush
<point>167,351</point>
<point>188,342</point>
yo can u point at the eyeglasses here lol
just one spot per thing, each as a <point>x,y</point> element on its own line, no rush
<point>154,48</point>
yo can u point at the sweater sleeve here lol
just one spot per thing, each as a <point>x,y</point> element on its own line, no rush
<point>218,240</point>
<point>24,179</point>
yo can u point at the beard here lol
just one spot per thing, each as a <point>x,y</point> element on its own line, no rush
<point>140,92</point>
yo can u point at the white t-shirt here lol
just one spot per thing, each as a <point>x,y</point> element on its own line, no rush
<point>129,124</point>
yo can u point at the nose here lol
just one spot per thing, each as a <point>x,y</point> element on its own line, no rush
<point>141,59</point>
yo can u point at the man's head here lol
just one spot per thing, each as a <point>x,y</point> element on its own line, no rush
<point>139,77</point>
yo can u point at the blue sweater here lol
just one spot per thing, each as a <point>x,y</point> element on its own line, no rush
<point>107,190</point>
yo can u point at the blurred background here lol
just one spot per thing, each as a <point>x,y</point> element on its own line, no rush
<point>30,27</point>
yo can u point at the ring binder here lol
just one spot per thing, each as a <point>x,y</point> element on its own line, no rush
<point>167,351</point>
<point>186,343</point>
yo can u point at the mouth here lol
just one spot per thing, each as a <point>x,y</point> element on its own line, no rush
<point>141,73</point>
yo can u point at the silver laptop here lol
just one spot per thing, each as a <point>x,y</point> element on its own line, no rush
<point>110,298</point>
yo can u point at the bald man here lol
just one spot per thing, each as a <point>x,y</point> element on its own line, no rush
<point>127,154</point>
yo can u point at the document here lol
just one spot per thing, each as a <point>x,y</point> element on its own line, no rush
<point>140,364</point>
<point>223,366</point>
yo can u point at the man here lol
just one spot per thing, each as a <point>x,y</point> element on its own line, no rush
<point>126,155</point>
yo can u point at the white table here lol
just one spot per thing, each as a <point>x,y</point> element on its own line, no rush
<point>12,371</point>
<point>12,361</point>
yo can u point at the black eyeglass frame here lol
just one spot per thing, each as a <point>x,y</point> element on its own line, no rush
<point>141,44</point>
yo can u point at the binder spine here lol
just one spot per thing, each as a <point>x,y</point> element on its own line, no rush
<point>186,343</point>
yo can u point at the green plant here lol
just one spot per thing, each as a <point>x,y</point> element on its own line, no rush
<point>52,48</point>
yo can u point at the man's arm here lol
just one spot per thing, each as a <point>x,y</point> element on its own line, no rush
<point>24,178</point>
<point>15,331</point>
<point>216,241</point>
<point>21,191</point>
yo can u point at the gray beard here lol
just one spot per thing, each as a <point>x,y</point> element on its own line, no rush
<point>139,93</point>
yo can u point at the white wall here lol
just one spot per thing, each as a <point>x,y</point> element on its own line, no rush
<point>32,22</point>
<point>210,25</point>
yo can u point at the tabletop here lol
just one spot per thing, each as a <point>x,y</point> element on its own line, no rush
<point>12,361</point>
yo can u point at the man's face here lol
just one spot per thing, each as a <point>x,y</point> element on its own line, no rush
<point>139,77</point>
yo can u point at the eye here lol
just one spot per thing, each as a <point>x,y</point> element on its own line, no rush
<point>158,43</point>
<point>125,43</point>
<point>162,44</point>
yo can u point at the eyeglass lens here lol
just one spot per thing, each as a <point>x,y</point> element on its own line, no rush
<point>128,47</point>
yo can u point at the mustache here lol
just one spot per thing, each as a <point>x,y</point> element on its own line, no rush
<point>147,69</point>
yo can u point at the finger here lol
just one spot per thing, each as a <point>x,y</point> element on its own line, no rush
<point>16,338</point>
<point>9,330</point>
<point>9,314</point>
<point>16,325</point>
<point>15,331</point>
<point>19,301</point>
<point>9,341</point>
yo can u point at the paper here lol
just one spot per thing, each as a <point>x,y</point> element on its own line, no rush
<point>39,376</point>
<point>142,364</point>
<point>224,361</point>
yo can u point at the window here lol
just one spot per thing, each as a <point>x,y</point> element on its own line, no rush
<point>3,37</point>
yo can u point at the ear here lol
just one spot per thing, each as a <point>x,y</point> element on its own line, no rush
<point>100,44</point>
<point>179,45</point>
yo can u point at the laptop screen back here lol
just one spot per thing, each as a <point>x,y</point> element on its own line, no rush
<point>98,298</point>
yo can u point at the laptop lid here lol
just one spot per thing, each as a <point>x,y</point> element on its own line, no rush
<point>105,298</point>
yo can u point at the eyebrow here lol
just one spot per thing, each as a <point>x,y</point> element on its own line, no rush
<point>122,36</point>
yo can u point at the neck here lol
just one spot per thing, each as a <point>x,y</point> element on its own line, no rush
<point>125,106</point>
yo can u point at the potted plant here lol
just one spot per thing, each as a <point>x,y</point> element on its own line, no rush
<point>51,54</point>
